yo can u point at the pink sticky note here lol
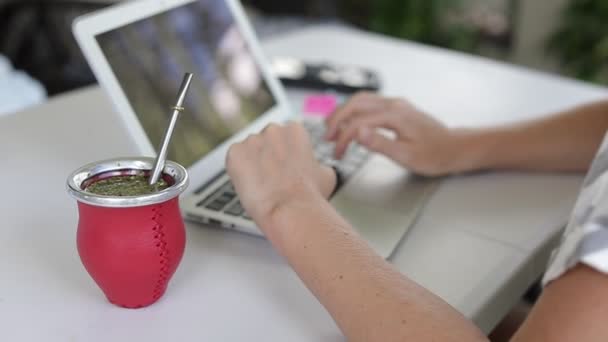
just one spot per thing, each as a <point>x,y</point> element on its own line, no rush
<point>320,105</point>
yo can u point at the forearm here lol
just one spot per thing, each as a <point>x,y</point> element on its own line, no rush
<point>366,296</point>
<point>567,141</point>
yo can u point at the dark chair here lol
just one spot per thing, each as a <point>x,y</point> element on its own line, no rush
<point>36,36</point>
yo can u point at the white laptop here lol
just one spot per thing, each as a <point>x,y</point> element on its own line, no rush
<point>139,51</point>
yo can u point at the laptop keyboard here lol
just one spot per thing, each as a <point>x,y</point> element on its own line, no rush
<point>225,199</point>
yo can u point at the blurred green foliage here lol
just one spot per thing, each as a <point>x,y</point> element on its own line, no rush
<point>419,20</point>
<point>423,21</point>
<point>581,40</point>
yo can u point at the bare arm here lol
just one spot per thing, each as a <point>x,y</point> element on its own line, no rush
<point>284,189</point>
<point>573,307</point>
<point>366,296</point>
<point>564,141</point>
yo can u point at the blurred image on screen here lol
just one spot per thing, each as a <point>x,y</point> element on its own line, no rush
<point>228,91</point>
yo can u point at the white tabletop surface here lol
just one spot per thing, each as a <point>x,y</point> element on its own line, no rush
<point>480,242</point>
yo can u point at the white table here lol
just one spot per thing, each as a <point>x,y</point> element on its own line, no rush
<point>481,241</point>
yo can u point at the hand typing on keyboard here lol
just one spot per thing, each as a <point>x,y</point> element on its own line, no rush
<point>275,167</point>
<point>224,198</point>
<point>354,156</point>
<point>421,144</point>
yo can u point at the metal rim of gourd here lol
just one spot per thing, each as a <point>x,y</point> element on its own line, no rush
<point>75,181</point>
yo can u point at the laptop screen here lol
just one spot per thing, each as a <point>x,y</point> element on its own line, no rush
<point>149,58</point>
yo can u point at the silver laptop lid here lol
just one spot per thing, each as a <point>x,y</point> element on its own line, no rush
<point>232,94</point>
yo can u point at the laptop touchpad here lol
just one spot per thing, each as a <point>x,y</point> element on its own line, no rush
<point>382,183</point>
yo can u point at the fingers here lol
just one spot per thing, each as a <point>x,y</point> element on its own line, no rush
<point>360,102</point>
<point>292,127</point>
<point>296,128</point>
<point>387,120</point>
<point>232,158</point>
<point>238,151</point>
<point>274,133</point>
<point>275,166</point>
<point>376,142</point>
<point>273,137</point>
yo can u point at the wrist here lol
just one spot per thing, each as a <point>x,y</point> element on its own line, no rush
<point>472,149</point>
<point>291,213</point>
<point>299,195</point>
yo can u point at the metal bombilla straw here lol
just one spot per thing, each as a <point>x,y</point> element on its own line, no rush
<point>159,163</point>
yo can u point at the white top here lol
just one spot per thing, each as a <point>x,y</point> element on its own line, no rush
<point>17,89</point>
<point>481,241</point>
<point>586,237</point>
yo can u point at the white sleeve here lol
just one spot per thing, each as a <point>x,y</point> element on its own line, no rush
<point>17,89</point>
<point>586,237</point>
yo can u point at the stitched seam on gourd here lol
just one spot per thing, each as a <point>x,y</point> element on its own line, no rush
<point>163,252</point>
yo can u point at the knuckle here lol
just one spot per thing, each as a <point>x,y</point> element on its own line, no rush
<point>230,155</point>
<point>272,128</point>
<point>353,130</point>
<point>364,94</point>
<point>396,103</point>
<point>395,119</point>
<point>296,127</point>
<point>342,126</point>
<point>252,140</point>
<point>372,141</point>
<point>357,97</point>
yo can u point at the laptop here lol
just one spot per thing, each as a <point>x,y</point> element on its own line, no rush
<point>139,51</point>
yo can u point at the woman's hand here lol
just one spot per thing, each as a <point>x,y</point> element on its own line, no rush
<point>277,167</point>
<point>284,188</point>
<point>420,143</point>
